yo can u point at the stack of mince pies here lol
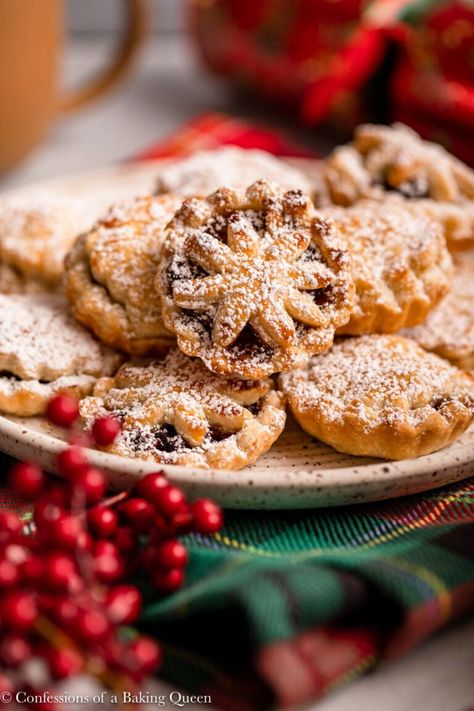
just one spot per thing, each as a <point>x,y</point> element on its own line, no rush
<point>243,286</point>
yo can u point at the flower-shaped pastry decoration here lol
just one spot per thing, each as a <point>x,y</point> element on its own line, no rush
<point>253,283</point>
<point>176,411</point>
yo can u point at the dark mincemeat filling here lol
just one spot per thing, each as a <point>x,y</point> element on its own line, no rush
<point>413,189</point>
<point>10,376</point>
<point>167,439</point>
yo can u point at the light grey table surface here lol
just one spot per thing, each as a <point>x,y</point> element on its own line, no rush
<point>167,89</point>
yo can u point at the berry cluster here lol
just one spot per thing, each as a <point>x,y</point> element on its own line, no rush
<point>65,595</point>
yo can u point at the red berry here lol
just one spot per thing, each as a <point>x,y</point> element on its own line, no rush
<point>90,483</point>
<point>105,548</point>
<point>105,430</point>
<point>103,521</point>
<point>182,522</point>
<point>16,553</point>
<point>64,663</point>
<point>18,610</point>
<point>123,604</point>
<point>71,460</point>
<point>9,574</point>
<point>138,512</point>
<point>171,554</point>
<point>126,539</point>
<point>160,529</point>
<point>91,626</point>
<point>169,500</point>
<point>60,572</point>
<point>150,485</point>
<point>46,512</point>
<point>10,526</point>
<point>207,516</point>
<point>146,558</point>
<point>14,650</point>
<point>145,655</point>
<point>32,569</point>
<point>64,532</point>
<point>108,568</point>
<point>6,685</point>
<point>62,410</point>
<point>65,611</point>
<point>26,480</point>
<point>169,580</point>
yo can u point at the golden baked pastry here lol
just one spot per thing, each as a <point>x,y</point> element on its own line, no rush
<point>201,173</point>
<point>381,396</point>
<point>253,283</point>
<point>176,412</point>
<point>400,265</point>
<point>12,281</point>
<point>43,351</point>
<point>449,329</point>
<point>110,273</point>
<point>395,158</point>
<point>35,234</point>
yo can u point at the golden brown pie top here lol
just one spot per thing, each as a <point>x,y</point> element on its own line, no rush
<point>203,172</point>
<point>381,395</point>
<point>110,275</point>
<point>37,231</point>
<point>396,158</point>
<point>253,282</point>
<point>176,411</point>
<point>449,328</point>
<point>400,264</point>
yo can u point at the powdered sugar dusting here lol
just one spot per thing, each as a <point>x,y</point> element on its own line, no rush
<point>174,407</point>
<point>377,379</point>
<point>39,339</point>
<point>258,279</point>
<point>205,171</point>
<point>449,329</point>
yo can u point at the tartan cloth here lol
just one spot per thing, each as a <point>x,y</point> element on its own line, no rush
<point>280,608</point>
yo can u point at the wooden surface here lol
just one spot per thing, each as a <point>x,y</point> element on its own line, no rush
<point>166,91</point>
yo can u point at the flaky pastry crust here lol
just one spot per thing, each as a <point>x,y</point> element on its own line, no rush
<point>40,340</point>
<point>35,235</point>
<point>400,265</point>
<point>381,396</point>
<point>110,273</point>
<point>176,412</point>
<point>201,173</point>
<point>384,159</point>
<point>253,283</point>
<point>449,328</point>
<point>27,398</point>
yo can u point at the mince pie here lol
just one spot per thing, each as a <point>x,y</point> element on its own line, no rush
<point>43,351</point>
<point>449,329</point>
<point>175,411</point>
<point>381,396</point>
<point>110,273</point>
<point>400,264</point>
<point>35,234</point>
<point>384,159</point>
<point>204,172</point>
<point>254,282</point>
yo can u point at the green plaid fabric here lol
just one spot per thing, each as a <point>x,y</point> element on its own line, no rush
<point>282,606</point>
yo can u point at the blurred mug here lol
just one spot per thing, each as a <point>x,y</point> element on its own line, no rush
<point>31,33</point>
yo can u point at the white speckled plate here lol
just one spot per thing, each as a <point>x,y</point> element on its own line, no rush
<point>298,472</point>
